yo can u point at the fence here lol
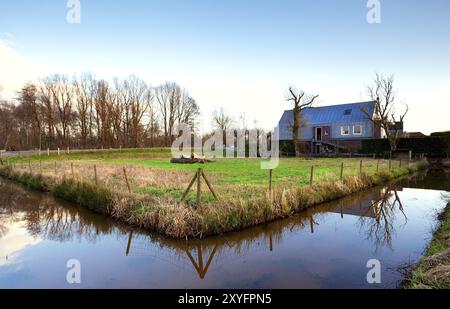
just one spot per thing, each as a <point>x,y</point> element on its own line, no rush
<point>120,179</point>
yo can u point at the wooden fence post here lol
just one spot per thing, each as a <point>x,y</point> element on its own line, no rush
<point>39,152</point>
<point>378,165</point>
<point>95,174</point>
<point>126,179</point>
<point>270,180</point>
<point>189,187</point>
<point>311,178</point>
<point>48,152</point>
<point>209,185</point>
<point>390,165</point>
<point>342,171</point>
<point>199,186</point>
<point>360,167</point>
<point>59,152</point>
<point>29,165</point>
<point>68,150</point>
<point>197,177</point>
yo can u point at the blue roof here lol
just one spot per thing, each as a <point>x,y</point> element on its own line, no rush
<point>342,113</point>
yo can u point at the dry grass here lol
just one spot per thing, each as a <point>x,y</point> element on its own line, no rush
<point>433,271</point>
<point>154,202</point>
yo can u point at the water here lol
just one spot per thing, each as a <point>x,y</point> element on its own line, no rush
<point>325,247</point>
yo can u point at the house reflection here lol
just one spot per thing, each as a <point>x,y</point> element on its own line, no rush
<point>377,211</point>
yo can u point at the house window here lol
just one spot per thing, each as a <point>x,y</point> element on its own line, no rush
<point>345,130</point>
<point>357,130</point>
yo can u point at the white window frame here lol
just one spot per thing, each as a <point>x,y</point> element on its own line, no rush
<point>343,129</point>
<point>360,131</point>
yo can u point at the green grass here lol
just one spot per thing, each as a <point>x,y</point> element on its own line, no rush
<point>87,195</point>
<point>248,171</point>
<point>290,172</point>
<point>433,271</point>
<point>242,186</point>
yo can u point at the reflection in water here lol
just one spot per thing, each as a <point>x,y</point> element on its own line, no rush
<point>376,214</point>
<point>44,217</point>
<point>376,211</point>
<point>380,227</point>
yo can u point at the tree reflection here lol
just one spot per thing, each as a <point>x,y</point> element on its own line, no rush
<point>378,219</point>
<point>45,217</point>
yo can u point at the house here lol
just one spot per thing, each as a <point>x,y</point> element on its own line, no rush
<point>414,135</point>
<point>334,128</point>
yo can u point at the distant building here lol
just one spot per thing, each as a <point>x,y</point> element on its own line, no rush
<point>414,135</point>
<point>335,128</point>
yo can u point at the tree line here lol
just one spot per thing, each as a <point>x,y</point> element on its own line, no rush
<point>85,112</point>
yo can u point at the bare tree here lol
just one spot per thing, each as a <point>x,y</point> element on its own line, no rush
<point>382,91</point>
<point>163,94</point>
<point>62,92</point>
<point>175,106</point>
<point>8,126</point>
<point>187,110</point>
<point>141,98</point>
<point>102,115</point>
<point>301,100</point>
<point>85,90</point>
<point>221,120</point>
<point>48,109</point>
<point>85,111</point>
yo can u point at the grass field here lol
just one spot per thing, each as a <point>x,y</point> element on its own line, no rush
<point>433,270</point>
<point>157,186</point>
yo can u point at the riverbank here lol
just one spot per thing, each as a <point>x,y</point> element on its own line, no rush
<point>433,270</point>
<point>154,201</point>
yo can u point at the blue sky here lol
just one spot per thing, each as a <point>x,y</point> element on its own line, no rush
<point>241,54</point>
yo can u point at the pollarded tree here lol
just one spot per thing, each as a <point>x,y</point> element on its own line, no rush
<point>301,100</point>
<point>384,94</point>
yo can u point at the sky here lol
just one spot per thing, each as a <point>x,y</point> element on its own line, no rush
<point>240,55</point>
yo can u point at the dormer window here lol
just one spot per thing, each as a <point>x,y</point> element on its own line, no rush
<point>347,112</point>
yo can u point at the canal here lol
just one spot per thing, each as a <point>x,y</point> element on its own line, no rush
<point>325,247</point>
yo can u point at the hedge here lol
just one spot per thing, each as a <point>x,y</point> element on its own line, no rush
<point>430,146</point>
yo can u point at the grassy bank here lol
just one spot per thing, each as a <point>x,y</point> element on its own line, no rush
<point>156,186</point>
<point>433,270</point>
